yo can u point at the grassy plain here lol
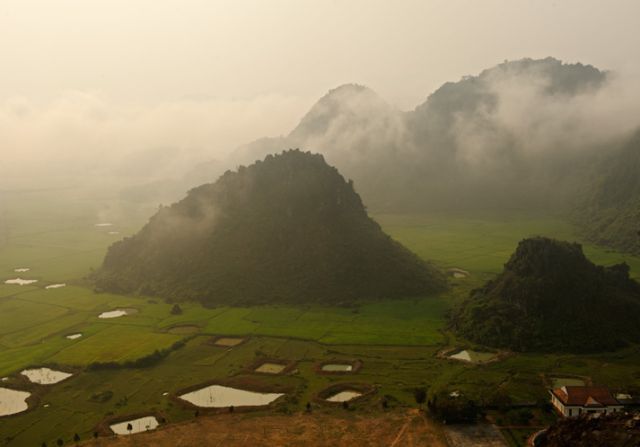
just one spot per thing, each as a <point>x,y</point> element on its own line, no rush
<point>54,234</point>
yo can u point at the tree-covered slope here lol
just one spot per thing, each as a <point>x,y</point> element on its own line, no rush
<point>550,297</point>
<point>286,229</point>
<point>609,213</point>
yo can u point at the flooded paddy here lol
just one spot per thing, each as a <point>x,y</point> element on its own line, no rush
<point>218,396</point>
<point>337,367</point>
<point>344,396</point>
<point>45,376</point>
<point>116,313</point>
<point>74,336</point>
<point>137,425</point>
<point>458,273</point>
<point>270,368</point>
<point>559,382</point>
<point>471,356</point>
<point>55,286</point>
<point>13,401</point>
<point>228,342</point>
<point>20,281</point>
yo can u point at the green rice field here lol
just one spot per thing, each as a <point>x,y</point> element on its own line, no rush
<point>55,235</point>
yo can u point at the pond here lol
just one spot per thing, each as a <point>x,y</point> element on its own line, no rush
<point>117,313</point>
<point>337,367</point>
<point>13,401</point>
<point>471,356</point>
<point>344,396</point>
<point>20,281</point>
<point>218,396</point>
<point>559,382</point>
<point>137,425</point>
<point>270,368</point>
<point>45,376</point>
<point>74,336</point>
<point>228,342</point>
<point>55,286</point>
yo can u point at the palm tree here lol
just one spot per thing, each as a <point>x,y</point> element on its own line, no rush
<point>129,427</point>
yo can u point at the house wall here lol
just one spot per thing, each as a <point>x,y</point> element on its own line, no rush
<point>571,411</point>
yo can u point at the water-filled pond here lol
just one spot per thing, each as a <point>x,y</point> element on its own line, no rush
<point>344,396</point>
<point>270,368</point>
<point>218,396</point>
<point>337,367</point>
<point>55,286</point>
<point>137,425</point>
<point>117,313</point>
<point>20,281</point>
<point>45,376</point>
<point>74,336</point>
<point>228,342</point>
<point>13,401</point>
<point>471,356</point>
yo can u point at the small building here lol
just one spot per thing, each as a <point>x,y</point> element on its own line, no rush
<point>576,400</point>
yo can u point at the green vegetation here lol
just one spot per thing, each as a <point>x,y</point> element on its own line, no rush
<point>550,297</point>
<point>288,229</point>
<point>397,340</point>
<point>609,214</point>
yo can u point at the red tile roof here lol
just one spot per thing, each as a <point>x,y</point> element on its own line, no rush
<point>586,396</point>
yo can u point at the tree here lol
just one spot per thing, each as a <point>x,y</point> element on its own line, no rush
<point>129,427</point>
<point>176,310</point>
<point>308,407</point>
<point>420,395</point>
<point>60,442</point>
<point>345,405</point>
<point>231,409</point>
<point>95,435</point>
<point>44,444</point>
<point>76,438</point>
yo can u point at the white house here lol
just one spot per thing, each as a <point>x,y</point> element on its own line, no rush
<point>576,400</point>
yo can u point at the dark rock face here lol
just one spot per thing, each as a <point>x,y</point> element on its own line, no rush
<point>550,297</point>
<point>288,229</point>
<point>611,430</point>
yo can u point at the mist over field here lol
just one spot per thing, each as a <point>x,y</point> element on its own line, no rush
<point>364,222</point>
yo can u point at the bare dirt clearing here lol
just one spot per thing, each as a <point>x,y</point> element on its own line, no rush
<point>399,428</point>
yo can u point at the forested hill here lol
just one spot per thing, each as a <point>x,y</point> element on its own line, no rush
<point>288,229</point>
<point>609,212</point>
<point>550,297</point>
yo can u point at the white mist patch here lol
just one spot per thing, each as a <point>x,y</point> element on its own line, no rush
<point>103,224</point>
<point>117,313</point>
<point>113,232</point>
<point>73,336</point>
<point>21,270</point>
<point>13,401</point>
<point>337,367</point>
<point>55,286</point>
<point>344,396</point>
<point>20,281</point>
<point>137,425</point>
<point>45,376</point>
<point>217,396</point>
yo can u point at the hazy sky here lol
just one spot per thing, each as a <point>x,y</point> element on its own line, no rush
<point>108,77</point>
<point>163,50</point>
